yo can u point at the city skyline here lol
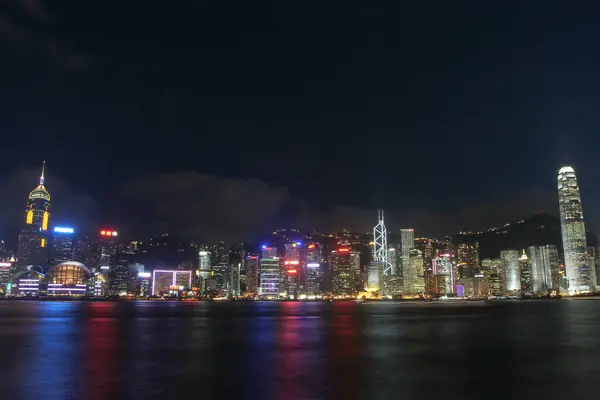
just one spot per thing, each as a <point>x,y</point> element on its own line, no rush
<point>53,261</point>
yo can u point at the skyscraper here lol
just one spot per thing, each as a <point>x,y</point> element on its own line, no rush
<point>345,266</point>
<point>33,239</point>
<point>380,247</point>
<point>252,275</point>
<point>510,259</point>
<point>407,243</point>
<point>314,269</point>
<point>269,273</point>
<point>63,243</point>
<point>204,269</point>
<point>468,253</point>
<point>443,274</point>
<point>544,269</point>
<point>573,231</point>
<point>414,279</point>
<point>292,273</point>
<point>494,266</point>
<point>525,275</point>
<point>425,245</point>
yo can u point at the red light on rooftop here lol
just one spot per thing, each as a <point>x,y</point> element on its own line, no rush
<point>253,257</point>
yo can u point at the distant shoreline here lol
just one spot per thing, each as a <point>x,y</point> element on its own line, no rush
<point>592,297</point>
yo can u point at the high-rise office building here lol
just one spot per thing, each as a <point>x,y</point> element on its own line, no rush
<point>345,266</point>
<point>204,269</point>
<point>545,273</point>
<point>293,272</point>
<point>5,276</point>
<point>314,269</point>
<point>590,258</point>
<point>33,239</point>
<point>443,274</point>
<point>293,251</point>
<point>425,245</point>
<point>573,231</point>
<point>510,260</point>
<point>118,274</point>
<point>392,284</point>
<point>107,246</point>
<point>234,277</point>
<point>269,273</point>
<point>407,243</point>
<point>380,246</point>
<point>222,254</point>
<point>414,279</point>
<point>468,253</point>
<point>63,244</point>
<point>525,275</point>
<point>493,266</point>
<point>269,252</point>
<point>170,282</point>
<point>252,263</point>
<point>374,276</point>
<point>495,284</point>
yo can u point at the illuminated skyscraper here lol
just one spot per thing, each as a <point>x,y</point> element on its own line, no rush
<point>269,272</point>
<point>292,273</point>
<point>544,269</point>
<point>373,278</point>
<point>33,239</point>
<point>525,275</point>
<point>573,231</point>
<point>510,259</point>
<point>380,247</point>
<point>63,243</point>
<point>345,267</point>
<point>107,246</point>
<point>468,253</point>
<point>414,274</point>
<point>494,266</point>
<point>204,269</point>
<point>252,275</point>
<point>407,243</point>
<point>314,269</point>
<point>443,274</point>
<point>425,245</point>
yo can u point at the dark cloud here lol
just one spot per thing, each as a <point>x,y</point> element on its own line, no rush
<point>68,205</point>
<point>31,28</point>
<point>206,207</point>
<point>34,9</point>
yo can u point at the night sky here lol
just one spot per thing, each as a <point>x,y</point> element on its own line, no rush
<point>224,119</point>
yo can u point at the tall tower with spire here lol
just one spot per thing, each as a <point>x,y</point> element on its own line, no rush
<point>573,232</point>
<point>380,247</point>
<point>33,239</point>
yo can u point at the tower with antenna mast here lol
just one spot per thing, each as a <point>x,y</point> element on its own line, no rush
<point>380,246</point>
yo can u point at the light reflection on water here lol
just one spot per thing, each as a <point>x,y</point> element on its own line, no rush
<point>157,350</point>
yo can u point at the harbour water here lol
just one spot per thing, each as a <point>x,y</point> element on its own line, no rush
<point>293,350</point>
